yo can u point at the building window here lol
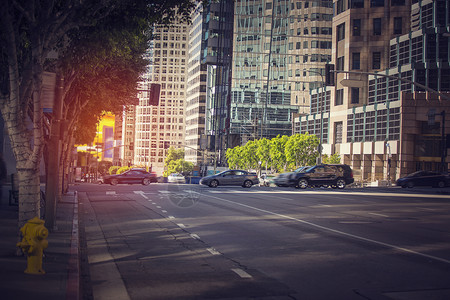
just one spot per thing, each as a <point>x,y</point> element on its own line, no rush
<point>340,63</point>
<point>377,26</point>
<point>376,3</point>
<point>376,60</point>
<point>340,31</point>
<point>398,25</point>
<point>338,133</point>
<point>339,97</point>
<point>355,95</point>
<point>340,6</point>
<point>356,27</point>
<point>397,2</point>
<point>356,65</point>
<point>356,3</point>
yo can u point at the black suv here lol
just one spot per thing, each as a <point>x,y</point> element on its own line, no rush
<point>336,176</point>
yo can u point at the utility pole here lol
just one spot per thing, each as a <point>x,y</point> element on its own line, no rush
<point>54,153</point>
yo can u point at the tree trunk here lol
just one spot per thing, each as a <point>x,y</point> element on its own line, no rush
<point>29,194</point>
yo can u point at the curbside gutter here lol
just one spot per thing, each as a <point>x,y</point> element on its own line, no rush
<point>73,277</point>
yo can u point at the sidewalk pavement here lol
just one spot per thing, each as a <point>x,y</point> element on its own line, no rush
<point>60,261</point>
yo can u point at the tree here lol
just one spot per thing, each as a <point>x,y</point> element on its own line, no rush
<point>175,163</point>
<point>263,152</point>
<point>180,166</point>
<point>29,32</point>
<point>301,150</point>
<point>333,159</point>
<point>277,152</point>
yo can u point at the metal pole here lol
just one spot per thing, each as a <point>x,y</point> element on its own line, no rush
<point>54,148</point>
<point>263,117</point>
<point>444,147</point>
<point>321,104</point>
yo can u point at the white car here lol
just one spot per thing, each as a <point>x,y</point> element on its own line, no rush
<point>176,178</point>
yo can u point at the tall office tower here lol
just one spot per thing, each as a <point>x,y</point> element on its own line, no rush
<point>161,125</point>
<point>280,50</point>
<point>209,74</point>
<point>128,133</point>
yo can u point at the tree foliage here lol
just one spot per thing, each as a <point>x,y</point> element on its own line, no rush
<point>175,163</point>
<point>333,159</point>
<point>280,153</point>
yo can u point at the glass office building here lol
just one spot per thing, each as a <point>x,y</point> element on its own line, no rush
<point>280,49</point>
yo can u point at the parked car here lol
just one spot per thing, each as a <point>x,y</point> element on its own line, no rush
<point>131,176</point>
<point>266,180</point>
<point>424,178</point>
<point>283,179</point>
<point>231,177</point>
<point>176,178</point>
<point>336,176</point>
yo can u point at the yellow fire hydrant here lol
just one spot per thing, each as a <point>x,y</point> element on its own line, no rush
<point>33,244</point>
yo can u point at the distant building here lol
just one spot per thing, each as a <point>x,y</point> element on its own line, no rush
<point>160,126</point>
<point>128,133</point>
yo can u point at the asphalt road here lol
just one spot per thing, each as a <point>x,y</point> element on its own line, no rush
<point>169,241</point>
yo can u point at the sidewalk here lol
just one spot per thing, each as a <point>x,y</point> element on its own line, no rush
<point>56,283</point>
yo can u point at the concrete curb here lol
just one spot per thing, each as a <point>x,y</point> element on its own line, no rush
<point>73,277</point>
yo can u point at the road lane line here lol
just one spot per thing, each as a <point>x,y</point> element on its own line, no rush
<point>164,211</point>
<point>380,215</point>
<point>213,251</point>
<point>110,192</point>
<point>241,273</point>
<point>171,217</point>
<point>401,249</point>
<point>181,225</point>
<point>194,236</point>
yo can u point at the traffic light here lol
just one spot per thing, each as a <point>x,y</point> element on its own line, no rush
<point>329,75</point>
<point>155,89</point>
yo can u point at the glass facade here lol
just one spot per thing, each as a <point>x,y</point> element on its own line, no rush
<point>276,44</point>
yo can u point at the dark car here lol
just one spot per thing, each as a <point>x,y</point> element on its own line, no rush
<point>231,177</point>
<point>336,176</point>
<point>424,178</point>
<point>131,176</point>
<point>283,179</point>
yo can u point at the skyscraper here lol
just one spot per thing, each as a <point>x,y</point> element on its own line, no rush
<point>209,74</point>
<point>160,126</point>
<point>280,49</point>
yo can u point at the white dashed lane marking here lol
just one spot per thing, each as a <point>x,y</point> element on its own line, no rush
<point>241,273</point>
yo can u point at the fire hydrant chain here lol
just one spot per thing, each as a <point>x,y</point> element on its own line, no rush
<point>33,243</point>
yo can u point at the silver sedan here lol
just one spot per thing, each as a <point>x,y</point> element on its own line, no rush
<point>231,177</point>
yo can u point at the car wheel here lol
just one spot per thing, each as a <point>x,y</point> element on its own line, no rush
<point>302,184</point>
<point>340,183</point>
<point>214,183</point>
<point>404,186</point>
<point>146,181</point>
<point>410,184</point>
<point>441,184</point>
<point>247,184</point>
<point>114,182</point>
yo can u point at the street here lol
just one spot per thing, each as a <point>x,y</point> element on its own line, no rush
<point>171,241</point>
